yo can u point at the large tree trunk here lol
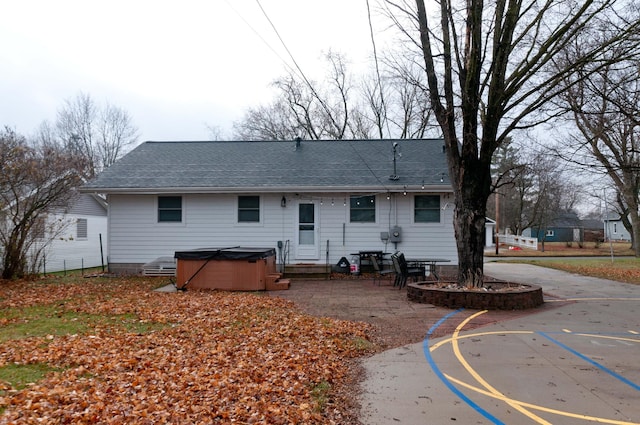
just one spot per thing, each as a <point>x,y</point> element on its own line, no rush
<point>469,221</point>
<point>472,187</point>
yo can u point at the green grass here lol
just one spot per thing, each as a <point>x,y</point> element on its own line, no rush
<point>320,395</point>
<point>20,376</point>
<point>40,321</point>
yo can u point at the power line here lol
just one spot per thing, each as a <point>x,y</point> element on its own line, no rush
<point>304,77</point>
<point>375,58</point>
<point>260,36</point>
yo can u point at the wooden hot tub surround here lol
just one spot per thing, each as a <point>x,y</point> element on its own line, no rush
<point>229,269</point>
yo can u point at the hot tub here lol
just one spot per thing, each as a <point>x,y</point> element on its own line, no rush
<point>231,269</point>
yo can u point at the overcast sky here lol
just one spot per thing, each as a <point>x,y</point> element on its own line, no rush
<point>175,66</point>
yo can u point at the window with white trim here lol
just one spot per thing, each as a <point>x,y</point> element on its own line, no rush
<point>169,209</point>
<point>426,209</point>
<point>362,209</point>
<point>248,209</point>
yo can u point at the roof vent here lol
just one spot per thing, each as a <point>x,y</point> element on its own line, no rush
<point>298,140</point>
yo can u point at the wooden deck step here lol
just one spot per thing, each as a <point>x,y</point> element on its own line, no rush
<point>278,285</point>
<point>307,271</point>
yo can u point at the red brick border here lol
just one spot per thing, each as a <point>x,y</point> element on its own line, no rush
<point>519,298</point>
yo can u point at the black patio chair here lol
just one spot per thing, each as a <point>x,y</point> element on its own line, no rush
<point>407,272</point>
<point>395,261</point>
<point>379,272</point>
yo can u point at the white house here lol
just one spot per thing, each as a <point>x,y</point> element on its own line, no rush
<point>614,229</point>
<point>79,238</point>
<point>315,201</point>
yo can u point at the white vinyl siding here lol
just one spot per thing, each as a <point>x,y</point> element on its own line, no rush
<point>211,220</point>
<point>69,249</point>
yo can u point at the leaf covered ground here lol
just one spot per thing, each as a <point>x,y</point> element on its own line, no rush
<point>180,358</point>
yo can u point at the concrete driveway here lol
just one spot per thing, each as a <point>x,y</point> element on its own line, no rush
<point>576,363</point>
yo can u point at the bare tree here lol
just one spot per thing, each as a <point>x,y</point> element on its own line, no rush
<point>34,181</point>
<point>490,71</point>
<point>605,108</point>
<point>389,103</point>
<point>100,134</point>
<point>533,188</point>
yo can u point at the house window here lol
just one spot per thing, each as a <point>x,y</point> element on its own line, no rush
<point>363,209</point>
<point>426,209</point>
<point>81,228</point>
<point>248,209</point>
<point>169,209</point>
<point>549,233</point>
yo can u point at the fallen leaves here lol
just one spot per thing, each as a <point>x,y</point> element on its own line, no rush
<point>222,357</point>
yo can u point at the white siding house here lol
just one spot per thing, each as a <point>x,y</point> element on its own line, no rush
<point>614,229</point>
<point>322,199</point>
<point>77,236</point>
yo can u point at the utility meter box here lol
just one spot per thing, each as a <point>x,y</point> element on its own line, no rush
<point>395,234</point>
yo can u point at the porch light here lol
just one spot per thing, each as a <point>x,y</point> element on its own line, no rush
<point>283,202</point>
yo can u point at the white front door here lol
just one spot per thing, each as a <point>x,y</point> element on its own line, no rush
<point>307,231</point>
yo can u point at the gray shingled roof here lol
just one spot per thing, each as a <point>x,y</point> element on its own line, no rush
<point>215,166</point>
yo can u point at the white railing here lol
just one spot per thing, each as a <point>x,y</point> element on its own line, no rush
<point>521,241</point>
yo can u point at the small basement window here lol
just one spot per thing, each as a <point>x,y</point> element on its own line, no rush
<point>169,209</point>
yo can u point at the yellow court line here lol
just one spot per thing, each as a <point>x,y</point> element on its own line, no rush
<point>541,408</point>
<point>513,402</point>
<point>448,340</point>
<point>616,338</point>
<point>480,380</point>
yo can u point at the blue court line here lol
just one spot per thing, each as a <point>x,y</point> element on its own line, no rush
<point>439,374</point>
<point>594,363</point>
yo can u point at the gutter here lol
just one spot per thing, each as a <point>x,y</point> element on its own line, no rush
<point>279,189</point>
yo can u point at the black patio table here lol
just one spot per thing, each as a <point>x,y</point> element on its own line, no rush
<point>431,263</point>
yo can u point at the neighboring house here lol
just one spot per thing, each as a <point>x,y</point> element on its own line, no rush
<point>568,227</point>
<point>489,232</point>
<point>318,200</point>
<point>74,236</point>
<point>614,229</point>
